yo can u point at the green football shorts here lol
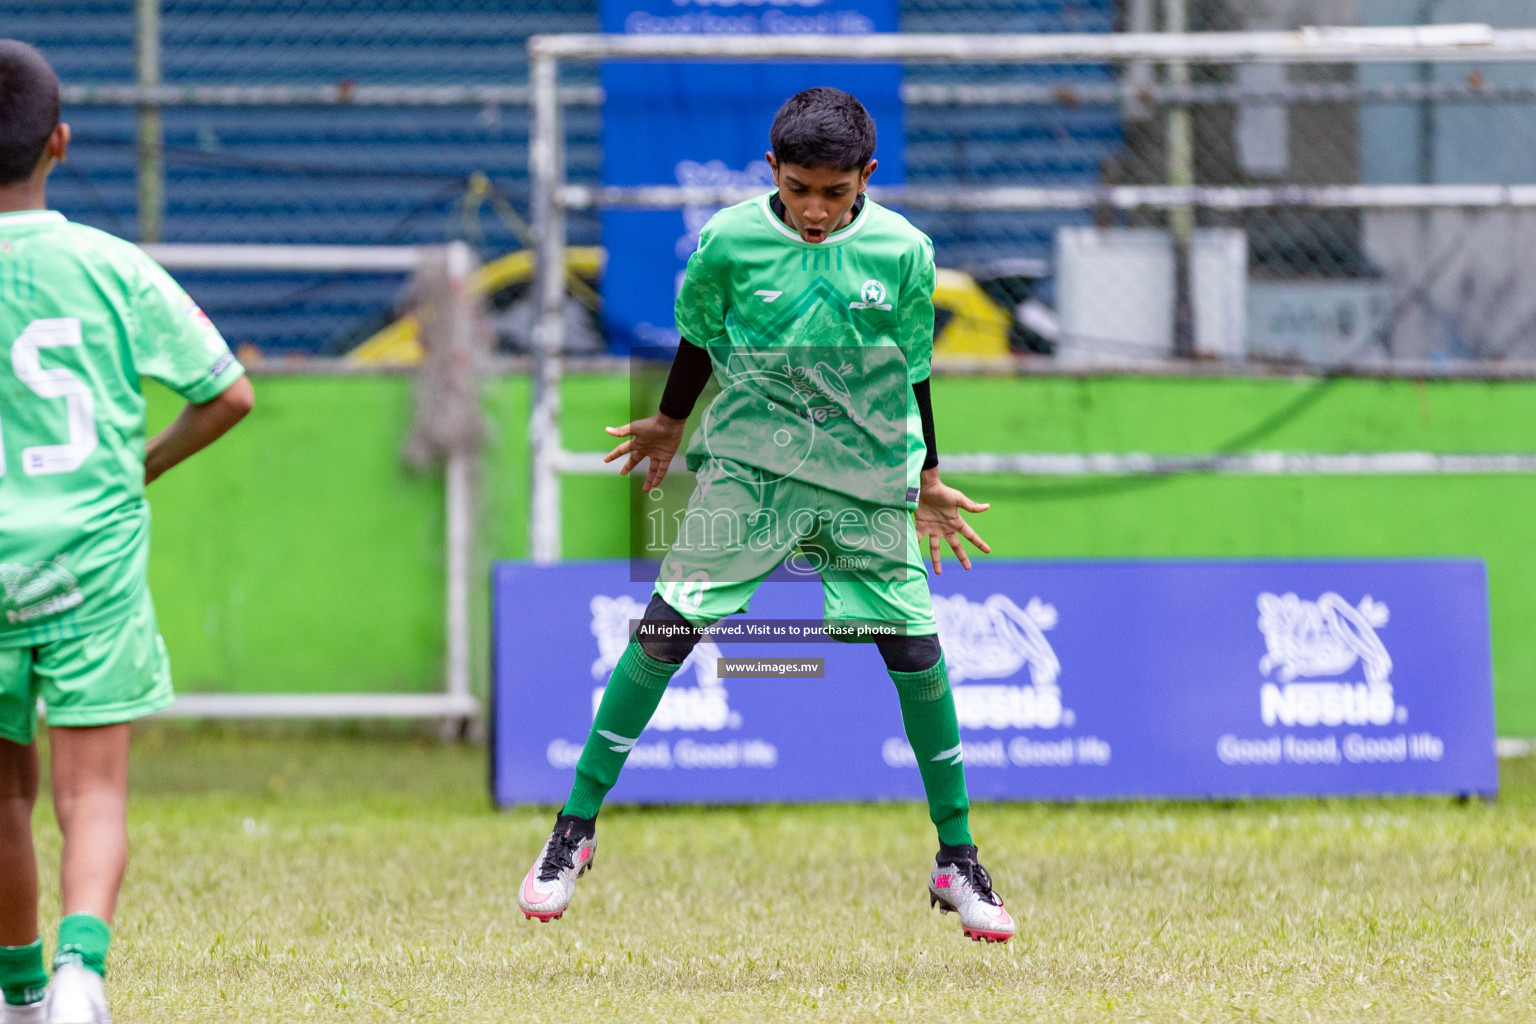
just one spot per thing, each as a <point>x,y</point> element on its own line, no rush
<point>742,523</point>
<point>116,674</point>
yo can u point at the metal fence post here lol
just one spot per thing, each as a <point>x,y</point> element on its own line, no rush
<point>546,171</point>
<point>1181,173</point>
<point>460,472</point>
<point>1137,77</point>
<point>151,130</point>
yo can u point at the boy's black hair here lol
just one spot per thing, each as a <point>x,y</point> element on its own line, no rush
<point>29,109</point>
<point>823,127</point>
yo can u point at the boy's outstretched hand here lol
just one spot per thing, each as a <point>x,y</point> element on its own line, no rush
<point>938,515</point>
<point>656,438</point>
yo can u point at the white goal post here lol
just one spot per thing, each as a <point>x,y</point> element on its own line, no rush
<point>553,197</point>
<point>456,703</point>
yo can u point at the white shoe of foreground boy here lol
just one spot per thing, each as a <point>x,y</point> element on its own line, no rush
<point>551,882</point>
<point>960,885</point>
<point>76,996</point>
<point>32,1013</point>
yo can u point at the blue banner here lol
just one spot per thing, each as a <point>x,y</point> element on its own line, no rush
<point>706,123</point>
<point>1071,680</point>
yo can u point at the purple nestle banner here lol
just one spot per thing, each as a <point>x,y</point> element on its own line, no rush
<point>1071,680</point>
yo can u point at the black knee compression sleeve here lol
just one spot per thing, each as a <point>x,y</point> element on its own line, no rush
<point>673,649</point>
<point>910,653</point>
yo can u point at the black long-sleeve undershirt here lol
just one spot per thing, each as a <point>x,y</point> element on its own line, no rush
<point>685,383</point>
<point>691,370</point>
<point>925,413</point>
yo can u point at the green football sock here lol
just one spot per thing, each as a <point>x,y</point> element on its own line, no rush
<point>928,712</point>
<point>83,940</point>
<point>22,977</point>
<point>633,693</point>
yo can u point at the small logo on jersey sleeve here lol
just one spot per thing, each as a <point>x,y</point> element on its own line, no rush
<point>871,296</point>
<point>221,364</point>
<point>195,312</point>
<point>767,294</point>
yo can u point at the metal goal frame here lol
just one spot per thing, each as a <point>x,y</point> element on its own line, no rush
<point>553,197</point>
<point>455,704</point>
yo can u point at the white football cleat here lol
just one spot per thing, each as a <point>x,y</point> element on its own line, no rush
<point>31,1013</point>
<point>76,995</point>
<point>962,886</point>
<point>551,882</point>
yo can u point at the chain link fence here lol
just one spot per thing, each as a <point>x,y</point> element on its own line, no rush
<point>328,155</point>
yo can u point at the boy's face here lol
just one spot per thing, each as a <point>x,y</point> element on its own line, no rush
<point>818,200</point>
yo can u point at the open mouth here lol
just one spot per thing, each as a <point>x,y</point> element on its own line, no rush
<point>812,234</point>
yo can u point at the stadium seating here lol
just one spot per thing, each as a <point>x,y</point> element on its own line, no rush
<point>383,175</point>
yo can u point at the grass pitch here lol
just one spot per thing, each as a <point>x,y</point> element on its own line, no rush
<point>311,876</point>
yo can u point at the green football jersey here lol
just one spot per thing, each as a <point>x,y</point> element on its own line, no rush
<point>815,347</point>
<point>83,316</point>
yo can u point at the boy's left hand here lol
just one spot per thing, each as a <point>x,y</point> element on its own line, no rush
<point>656,438</point>
<point>938,515</point>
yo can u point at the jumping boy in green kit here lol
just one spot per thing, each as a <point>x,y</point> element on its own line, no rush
<point>83,316</point>
<point>812,307</point>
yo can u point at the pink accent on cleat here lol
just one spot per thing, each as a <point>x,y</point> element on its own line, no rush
<point>531,893</point>
<point>964,888</point>
<point>976,935</point>
<point>547,888</point>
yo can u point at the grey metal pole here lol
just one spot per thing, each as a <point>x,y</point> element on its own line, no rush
<point>1137,76</point>
<point>1181,172</point>
<point>546,174</point>
<point>1426,77</point>
<point>151,130</point>
<point>1312,45</point>
<point>459,487</point>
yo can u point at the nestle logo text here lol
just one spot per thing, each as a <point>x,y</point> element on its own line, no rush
<point>1327,704</point>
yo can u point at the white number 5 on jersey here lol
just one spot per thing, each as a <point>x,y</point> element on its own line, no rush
<point>46,459</point>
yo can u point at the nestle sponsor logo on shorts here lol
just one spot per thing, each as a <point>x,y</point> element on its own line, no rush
<point>773,668</point>
<point>38,590</point>
<point>60,603</point>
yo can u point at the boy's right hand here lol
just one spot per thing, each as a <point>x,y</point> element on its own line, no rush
<point>656,438</point>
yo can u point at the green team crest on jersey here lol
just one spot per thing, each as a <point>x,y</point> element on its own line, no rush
<point>815,347</point>
<point>83,316</point>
